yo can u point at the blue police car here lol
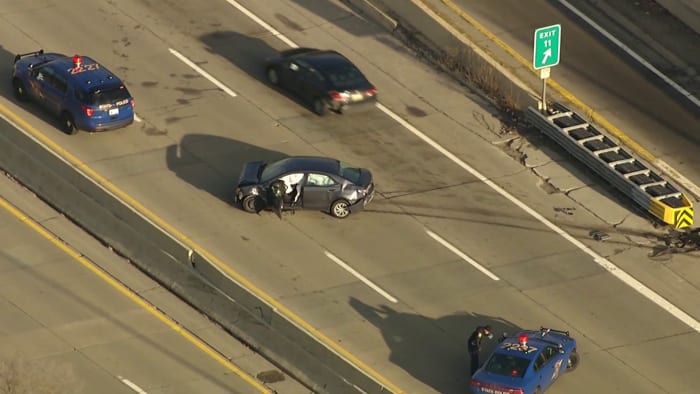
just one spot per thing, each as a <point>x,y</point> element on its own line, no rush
<point>82,93</point>
<point>527,363</point>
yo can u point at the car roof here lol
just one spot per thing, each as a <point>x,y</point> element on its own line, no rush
<point>311,163</point>
<point>322,59</point>
<point>87,79</point>
<point>536,342</point>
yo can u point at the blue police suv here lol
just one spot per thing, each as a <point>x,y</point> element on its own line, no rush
<point>526,363</point>
<point>82,93</point>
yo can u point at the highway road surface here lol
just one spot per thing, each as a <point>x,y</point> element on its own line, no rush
<point>439,250</point>
<point>606,78</point>
<point>67,329</point>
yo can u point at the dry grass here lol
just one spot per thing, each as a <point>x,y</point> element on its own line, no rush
<point>18,376</point>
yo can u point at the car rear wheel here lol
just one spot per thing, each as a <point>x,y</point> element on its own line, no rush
<point>340,209</point>
<point>67,124</point>
<point>572,362</point>
<point>320,106</point>
<point>20,92</point>
<point>250,203</point>
<point>273,76</point>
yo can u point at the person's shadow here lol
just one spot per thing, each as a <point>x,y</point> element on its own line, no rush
<point>433,351</point>
<point>213,163</point>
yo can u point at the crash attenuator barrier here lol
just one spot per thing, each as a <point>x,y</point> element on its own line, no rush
<point>614,164</point>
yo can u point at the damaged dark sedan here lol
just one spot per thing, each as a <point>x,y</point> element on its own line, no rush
<point>304,182</point>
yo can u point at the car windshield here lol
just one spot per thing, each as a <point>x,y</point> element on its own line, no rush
<point>350,173</point>
<point>345,77</point>
<point>273,170</point>
<point>108,96</point>
<point>507,365</point>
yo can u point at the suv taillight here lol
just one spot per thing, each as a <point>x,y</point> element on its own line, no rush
<point>133,104</point>
<point>89,111</point>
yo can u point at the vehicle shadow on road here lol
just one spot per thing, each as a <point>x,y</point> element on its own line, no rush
<point>433,351</point>
<point>213,163</point>
<point>249,54</point>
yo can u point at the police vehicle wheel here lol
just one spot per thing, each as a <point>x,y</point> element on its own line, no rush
<point>319,106</point>
<point>20,92</point>
<point>340,209</point>
<point>272,76</point>
<point>572,362</point>
<point>67,124</point>
<point>249,203</point>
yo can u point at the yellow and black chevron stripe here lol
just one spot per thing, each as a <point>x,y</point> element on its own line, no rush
<point>683,217</point>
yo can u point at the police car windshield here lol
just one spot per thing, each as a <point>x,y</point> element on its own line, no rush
<point>108,96</point>
<point>507,365</point>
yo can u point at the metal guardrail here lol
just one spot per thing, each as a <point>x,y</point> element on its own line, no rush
<point>614,164</point>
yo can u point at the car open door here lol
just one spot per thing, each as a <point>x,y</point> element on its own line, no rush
<point>275,197</point>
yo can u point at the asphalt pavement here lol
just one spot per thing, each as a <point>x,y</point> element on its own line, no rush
<point>67,330</point>
<point>181,162</point>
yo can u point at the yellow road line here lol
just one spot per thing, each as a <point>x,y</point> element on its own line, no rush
<point>597,118</point>
<point>102,181</point>
<point>120,287</point>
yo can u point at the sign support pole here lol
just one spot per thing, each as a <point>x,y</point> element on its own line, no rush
<point>544,75</point>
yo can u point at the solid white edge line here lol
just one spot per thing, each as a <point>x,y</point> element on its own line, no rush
<point>203,73</point>
<point>264,24</point>
<point>603,262</point>
<point>665,167</point>
<point>137,118</point>
<point>630,52</point>
<point>462,255</point>
<point>132,385</point>
<point>361,277</point>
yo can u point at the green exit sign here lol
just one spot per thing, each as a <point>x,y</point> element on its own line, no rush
<point>546,49</point>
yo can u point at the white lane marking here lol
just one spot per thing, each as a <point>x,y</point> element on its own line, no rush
<point>600,260</point>
<point>132,385</point>
<point>137,118</point>
<point>603,262</point>
<point>264,24</point>
<point>202,72</point>
<point>463,256</point>
<point>630,52</point>
<point>360,277</point>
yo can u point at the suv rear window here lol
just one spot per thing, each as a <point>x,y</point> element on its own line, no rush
<point>507,365</point>
<point>108,96</point>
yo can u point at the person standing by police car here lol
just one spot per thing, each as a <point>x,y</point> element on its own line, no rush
<point>474,344</point>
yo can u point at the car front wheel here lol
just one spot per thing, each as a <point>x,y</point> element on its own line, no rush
<point>572,362</point>
<point>250,203</point>
<point>340,209</point>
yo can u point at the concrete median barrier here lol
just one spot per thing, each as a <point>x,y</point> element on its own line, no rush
<point>185,272</point>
